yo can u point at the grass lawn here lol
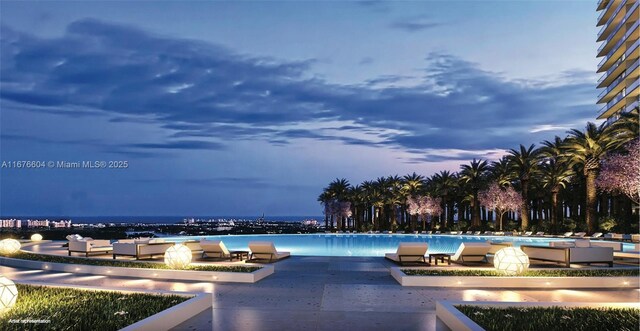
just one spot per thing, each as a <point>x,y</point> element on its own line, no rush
<point>49,308</point>
<point>635,272</point>
<point>123,264</point>
<point>553,318</point>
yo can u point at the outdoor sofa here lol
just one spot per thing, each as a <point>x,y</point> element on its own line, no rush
<point>568,253</point>
<point>88,246</point>
<point>140,248</point>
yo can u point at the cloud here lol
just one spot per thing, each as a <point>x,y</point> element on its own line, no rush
<point>206,95</point>
<point>415,24</point>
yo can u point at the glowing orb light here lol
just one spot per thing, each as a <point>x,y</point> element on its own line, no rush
<point>511,261</point>
<point>8,294</point>
<point>9,246</point>
<point>36,237</point>
<point>177,256</point>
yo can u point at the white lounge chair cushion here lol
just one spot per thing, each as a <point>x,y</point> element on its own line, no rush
<point>415,250</point>
<point>266,250</point>
<point>214,247</point>
<point>471,248</point>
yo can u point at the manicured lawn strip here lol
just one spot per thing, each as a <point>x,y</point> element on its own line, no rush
<point>529,273</point>
<point>552,318</point>
<point>124,264</point>
<point>73,309</point>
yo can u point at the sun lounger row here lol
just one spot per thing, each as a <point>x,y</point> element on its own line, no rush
<point>148,248</point>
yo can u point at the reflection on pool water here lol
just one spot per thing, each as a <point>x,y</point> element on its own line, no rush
<point>361,244</point>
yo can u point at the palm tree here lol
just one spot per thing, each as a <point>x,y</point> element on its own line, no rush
<point>474,175</point>
<point>586,149</point>
<point>555,176</point>
<point>556,173</point>
<point>524,164</point>
<point>500,172</point>
<point>412,185</point>
<point>444,185</point>
<point>338,190</point>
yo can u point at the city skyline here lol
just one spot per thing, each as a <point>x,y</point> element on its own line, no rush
<point>244,108</point>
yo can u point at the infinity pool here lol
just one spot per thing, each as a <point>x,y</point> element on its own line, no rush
<point>360,244</point>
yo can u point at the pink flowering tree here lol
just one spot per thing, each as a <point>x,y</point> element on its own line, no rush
<point>423,206</point>
<point>620,173</point>
<point>340,210</point>
<point>501,200</point>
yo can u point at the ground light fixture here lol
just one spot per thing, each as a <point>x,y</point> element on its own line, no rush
<point>9,246</point>
<point>177,256</point>
<point>36,237</point>
<point>8,294</point>
<point>511,261</point>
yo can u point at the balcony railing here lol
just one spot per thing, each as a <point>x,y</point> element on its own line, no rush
<point>614,66</point>
<point>618,44</point>
<point>620,6</point>
<point>628,71</point>
<point>623,21</point>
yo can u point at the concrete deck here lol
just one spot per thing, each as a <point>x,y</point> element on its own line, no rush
<point>322,293</point>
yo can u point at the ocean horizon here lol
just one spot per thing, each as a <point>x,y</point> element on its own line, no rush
<point>159,219</point>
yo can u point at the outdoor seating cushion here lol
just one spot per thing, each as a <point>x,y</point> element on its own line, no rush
<point>409,252</point>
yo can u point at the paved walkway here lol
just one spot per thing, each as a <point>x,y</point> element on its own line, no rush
<point>321,293</point>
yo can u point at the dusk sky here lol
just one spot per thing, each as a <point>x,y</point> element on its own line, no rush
<point>240,108</point>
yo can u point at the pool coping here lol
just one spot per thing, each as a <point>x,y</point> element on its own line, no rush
<point>514,282</point>
<point>448,317</point>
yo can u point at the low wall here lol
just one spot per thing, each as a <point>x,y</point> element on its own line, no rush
<point>514,282</point>
<point>211,276</point>
<point>448,317</point>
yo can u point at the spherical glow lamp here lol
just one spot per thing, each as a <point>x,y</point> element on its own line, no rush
<point>8,294</point>
<point>511,261</point>
<point>9,246</point>
<point>36,237</point>
<point>177,256</point>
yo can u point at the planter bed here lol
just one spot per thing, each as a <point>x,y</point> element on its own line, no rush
<point>486,278</point>
<point>241,274</point>
<point>59,308</point>
<point>552,316</point>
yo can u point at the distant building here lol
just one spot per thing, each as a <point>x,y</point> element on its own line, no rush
<point>10,223</point>
<point>37,223</point>
<point>620,57</point>
<point>60,224</point>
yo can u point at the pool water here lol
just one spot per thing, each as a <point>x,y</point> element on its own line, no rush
<point>361,244</point>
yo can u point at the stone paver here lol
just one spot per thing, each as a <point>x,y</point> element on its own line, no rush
<point>321,293</point>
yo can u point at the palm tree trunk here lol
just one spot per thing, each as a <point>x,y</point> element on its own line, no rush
<point>592,200</point>
<point>475,214</point>
<point>554,209</point>
<point>524,213</point>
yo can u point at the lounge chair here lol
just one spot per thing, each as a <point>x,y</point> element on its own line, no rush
<point>567,235</point>
<point>437,232</point>
<point>635,238</point>
<point>265,250</point>
<point>528,233</point>
<point>496,246</point>
<point>596,235</point>
<point>429,232</point>
<point>614,236</point>
<point>469,232</point>
<point>539,234</point>
<point>579,235</point>
<point>477,233</point>
<point>214,248</point>
<point>471,252</point>
<point>412,252</point>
